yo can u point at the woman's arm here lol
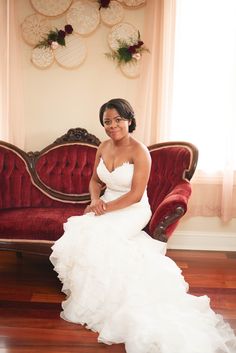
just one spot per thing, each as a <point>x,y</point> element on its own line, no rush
<point>142,166</point>
<point>95,187</point>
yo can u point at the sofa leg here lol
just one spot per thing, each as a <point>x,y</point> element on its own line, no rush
<point>19,254</point>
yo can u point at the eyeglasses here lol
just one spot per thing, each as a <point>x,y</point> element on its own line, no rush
<point>118,121</point>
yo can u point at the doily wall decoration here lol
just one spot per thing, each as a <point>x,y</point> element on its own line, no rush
<point>84,16</point>
<point>34,28</point>
<point>42,58</point>
<point>72,54</point>
<point>125,32</point>
<point>51,7</point>
<point>134,3</point>
<point>112,14</point>
<point>131,69</point>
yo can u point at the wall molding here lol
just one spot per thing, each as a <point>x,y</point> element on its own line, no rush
<point>196,240</point>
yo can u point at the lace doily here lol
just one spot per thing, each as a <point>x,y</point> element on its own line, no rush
<point>42,57</point>
<point>72,54</point>
<point>112,14</point>
<point>134,3</point>
<point>122,32</point>
<point>131,69</point>
<point>84,16</point>
<point>34,28</point>
<point>51,7</point>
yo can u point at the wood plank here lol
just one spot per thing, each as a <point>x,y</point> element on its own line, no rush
<point>30,301</point>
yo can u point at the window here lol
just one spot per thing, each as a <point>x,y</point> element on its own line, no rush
<point>204,94</point>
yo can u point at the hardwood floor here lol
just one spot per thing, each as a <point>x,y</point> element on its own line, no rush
<point>30,300</point>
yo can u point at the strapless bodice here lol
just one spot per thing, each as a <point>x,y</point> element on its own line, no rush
<point>119,179</point>
<point>118,182</point>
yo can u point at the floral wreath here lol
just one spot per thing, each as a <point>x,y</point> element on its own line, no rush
<point>128,52</point>
<point>55,38</point>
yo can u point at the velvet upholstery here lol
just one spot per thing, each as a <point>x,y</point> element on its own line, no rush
<point>178,197</point>
<point>45,223</point>
<point>17,187</point>
<point>169,186</point>
<point>168,166</point>
<point>15,184</point>
<point>40,191</point>
<point>67,169</point>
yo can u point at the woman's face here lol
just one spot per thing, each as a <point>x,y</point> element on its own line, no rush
<point>115,126</point>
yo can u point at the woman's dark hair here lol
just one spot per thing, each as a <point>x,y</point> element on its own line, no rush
<point>123,108</point>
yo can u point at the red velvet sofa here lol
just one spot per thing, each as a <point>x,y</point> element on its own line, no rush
<point>40,190</point>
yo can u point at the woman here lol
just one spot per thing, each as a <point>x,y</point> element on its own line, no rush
<point>117,279</point>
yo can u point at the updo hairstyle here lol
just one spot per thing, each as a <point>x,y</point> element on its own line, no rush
<point>123,108</point>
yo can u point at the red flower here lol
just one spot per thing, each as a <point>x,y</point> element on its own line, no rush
<point>140,43</point>
<point>104,3</point>
<point>132,49</point>
<point>68,29</point>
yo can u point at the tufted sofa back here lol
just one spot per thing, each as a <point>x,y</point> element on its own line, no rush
<point>57,176</point>
<point>16,188</point>
<point>67,168</point>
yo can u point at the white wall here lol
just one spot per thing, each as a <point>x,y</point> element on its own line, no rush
<point>57,99</point>
<point>204,233</point>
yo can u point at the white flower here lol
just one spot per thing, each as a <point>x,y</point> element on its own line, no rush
<point>136,56</point>
<point>54,45</point>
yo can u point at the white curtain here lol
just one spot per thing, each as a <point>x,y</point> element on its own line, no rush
<point>11,97</point>
<point>204,100</point>
<point>187,92</point>
<point>154,100</point>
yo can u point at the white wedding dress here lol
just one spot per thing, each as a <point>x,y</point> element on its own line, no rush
<point>119,282</point>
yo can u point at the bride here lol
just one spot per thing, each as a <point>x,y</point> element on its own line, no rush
<point>117,279</point>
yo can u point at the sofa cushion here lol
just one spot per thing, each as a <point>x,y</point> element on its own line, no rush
<point>36,223</point>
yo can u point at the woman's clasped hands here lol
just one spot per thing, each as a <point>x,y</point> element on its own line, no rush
<point>97,206</point>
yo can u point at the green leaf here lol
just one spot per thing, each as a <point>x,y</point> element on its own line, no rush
<point>61,41</point>
<point>124,55</point>
<point>52,35</point>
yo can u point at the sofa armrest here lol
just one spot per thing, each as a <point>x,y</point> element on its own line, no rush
<point>167,215</point>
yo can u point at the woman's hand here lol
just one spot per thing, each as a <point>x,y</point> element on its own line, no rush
<point>87,209</point>
<point>97,206</point>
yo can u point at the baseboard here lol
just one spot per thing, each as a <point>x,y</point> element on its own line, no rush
<point>202,241</point>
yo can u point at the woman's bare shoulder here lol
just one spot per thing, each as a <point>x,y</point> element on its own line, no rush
<point>140,149</point>
<point>103,145</point>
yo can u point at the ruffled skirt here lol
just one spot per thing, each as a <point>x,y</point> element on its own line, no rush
<point>120,284</point>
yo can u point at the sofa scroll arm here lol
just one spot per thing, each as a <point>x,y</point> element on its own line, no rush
<point>167,215</point>
<point>160,230</point>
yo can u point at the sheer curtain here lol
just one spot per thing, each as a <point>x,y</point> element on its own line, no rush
<point>154,99</point>
<point>187,92</point>
<point>204,100</point>
<point>11,100</point>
